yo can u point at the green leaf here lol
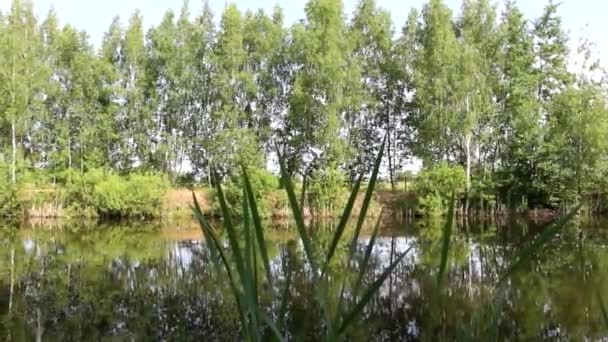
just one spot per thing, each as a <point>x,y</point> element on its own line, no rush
<point>368,198</point>
<point>603,308</point>
<point>368,252</point>
<point>257,223</point>
<point>275,331</point>
<point>342,224</point>
<point>369,293</point>
<point>211,238</point>
<point>297,214</point>
<point>284,300</point>
<point>529,251</point>
<point>232,237</point>
<point>205,226</point>
<point>250,274</point>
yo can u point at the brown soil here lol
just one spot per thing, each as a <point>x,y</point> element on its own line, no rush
<point>186,231</point>
<point>542,215</point>
<point>394,201</point>
<point>181,199</point>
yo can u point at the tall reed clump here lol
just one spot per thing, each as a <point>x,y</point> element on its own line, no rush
<point>239,260</point>
<point>251,288</point>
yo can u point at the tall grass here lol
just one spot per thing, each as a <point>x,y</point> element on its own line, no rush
<point>603,308</point>
<point>239,262</point>
<point>246,249</point>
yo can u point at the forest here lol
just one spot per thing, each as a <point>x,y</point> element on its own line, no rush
<point>485,98</point>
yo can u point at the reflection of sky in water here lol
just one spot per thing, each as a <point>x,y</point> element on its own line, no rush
<point>161,266</point>
<point>182,253</point>
<point>29,245</point>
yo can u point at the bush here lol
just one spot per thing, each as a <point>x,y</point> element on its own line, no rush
<point>81,188</point>
<point>435,186</point>
<point>9,202</point>
<point>138,196</point>
<point>98,193</point>
<point>263,183</point>
<point>327,188</point>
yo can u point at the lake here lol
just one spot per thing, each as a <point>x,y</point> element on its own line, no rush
<point>144,281</point>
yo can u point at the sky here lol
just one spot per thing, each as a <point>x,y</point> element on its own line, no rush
<point>581,18</point>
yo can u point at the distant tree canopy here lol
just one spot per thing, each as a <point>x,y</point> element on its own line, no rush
<point>485,89</point>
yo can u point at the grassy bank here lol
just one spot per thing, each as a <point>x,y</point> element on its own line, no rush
<point>151,198</point>
<point>95,194</point>
<point>148,197</point>
<point>102,194</point>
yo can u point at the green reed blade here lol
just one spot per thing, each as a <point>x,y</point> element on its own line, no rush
<point>232,237</point>
<point>343,221</point>
<point>369,293</point>
<point>297,214</point>
<point>602,308</point>
<point>257,223</point>
<point>368,252</point>
<point>275,331</point>
<point>213,240</point>
<point>284,300</point>
<point>204,227</point>
<point>368,198</point>
<point>529,251</point>
<point>250,280</point>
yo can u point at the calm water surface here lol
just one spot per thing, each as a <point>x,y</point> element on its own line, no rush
<point>142,282</point>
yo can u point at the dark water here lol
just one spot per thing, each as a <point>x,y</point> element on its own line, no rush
<point>136,282</point>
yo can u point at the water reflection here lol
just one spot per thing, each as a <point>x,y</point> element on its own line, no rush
<point>140,282</point>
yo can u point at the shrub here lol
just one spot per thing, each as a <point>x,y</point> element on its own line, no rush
<point>264,184</point>
<point>81,188</point>
<point>9,203</point>
<point>99,193</point>
<point>435,186</point>
<point>138,196</point>
<point>327,188</point>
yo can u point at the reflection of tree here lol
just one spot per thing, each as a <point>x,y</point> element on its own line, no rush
<point>130,283</point>
<point>430,245</point>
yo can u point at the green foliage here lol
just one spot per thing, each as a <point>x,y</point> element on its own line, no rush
<point>106,194</point>
<point>265,185</point>
<point>240,265</point>
<point>434,187</point>
<point>490,92</point>
<point>10,206</point>
<point>578,127</point>
<point>322,82</point>
<point>138,196</point>
<point>326,190</point>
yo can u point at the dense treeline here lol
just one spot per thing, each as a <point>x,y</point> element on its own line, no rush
<point>485,90</point>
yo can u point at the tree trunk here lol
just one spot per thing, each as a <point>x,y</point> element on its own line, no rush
<point>39,328</point>
<point>303,194</point>
<point>12,287</point>
<point>14,159</point>
<point>467,172</point>
<point>467,143</point>
<point>69,154</point>
<point>13,101</point>
<point>209,176</point>
<point>388,148</point>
